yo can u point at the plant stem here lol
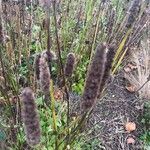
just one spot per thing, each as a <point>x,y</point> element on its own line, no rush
<point>57,40</point>
<point>53,114</point>
<point>61,66</point>
<point>48,35</point>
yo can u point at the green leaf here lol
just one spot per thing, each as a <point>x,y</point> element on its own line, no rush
<point>2,135</point>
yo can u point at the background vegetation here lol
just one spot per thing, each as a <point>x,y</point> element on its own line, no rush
<point>28,29</point>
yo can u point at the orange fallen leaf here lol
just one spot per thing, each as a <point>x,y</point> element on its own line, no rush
<point>130,140</point>
<point>130,126</point>
<point>131,88</point>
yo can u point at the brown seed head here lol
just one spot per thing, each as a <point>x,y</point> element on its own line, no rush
<point>45,79</point>
<point>69,67</point>
<point>108,65</point>
<point>30,117</point>
<point>94,78</point>
<point>36,66</point>
<point>133,12</point>
<point>1,27</point>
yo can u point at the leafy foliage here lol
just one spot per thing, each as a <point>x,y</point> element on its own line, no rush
<point>146,123</point>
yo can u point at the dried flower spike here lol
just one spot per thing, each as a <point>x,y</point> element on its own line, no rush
<point>45,3</point>
<point>36,66</point>
<point>45,79</point>
<point>30,117</point>
<point>49,55</point>
<point>94,78</point>
<point>69,67</point>
<point>109,60</point>
<point>1,26</point>
<point>133,12</point>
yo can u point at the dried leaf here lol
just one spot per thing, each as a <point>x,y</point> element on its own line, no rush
<point>127,69</point>
<point>132,66</point>
<point>130,140</point>
<point>2,80</point>
<point>58,94</point>
<point>130,126</point>
<point>131,88</point>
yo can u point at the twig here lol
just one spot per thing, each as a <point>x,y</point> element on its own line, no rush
<point>148,79</point>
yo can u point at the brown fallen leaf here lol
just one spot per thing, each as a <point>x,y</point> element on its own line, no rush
<point>129,67</point>
<point>2,79</point>
<point>130,126</point>
<point>58,94</point>
<point>132,66</point>
<point>130,140</point>
<point>131,88</point>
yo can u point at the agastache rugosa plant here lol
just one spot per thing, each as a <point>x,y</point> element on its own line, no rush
<point>69,66</point>
<point>94,78</point>
<point>108,65</point>
<point>1,25</point>
<point>36,66</point>
<point>45,79</point>
<point>30,117</point>
<point>133,12</point>
<point>49,56</point>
